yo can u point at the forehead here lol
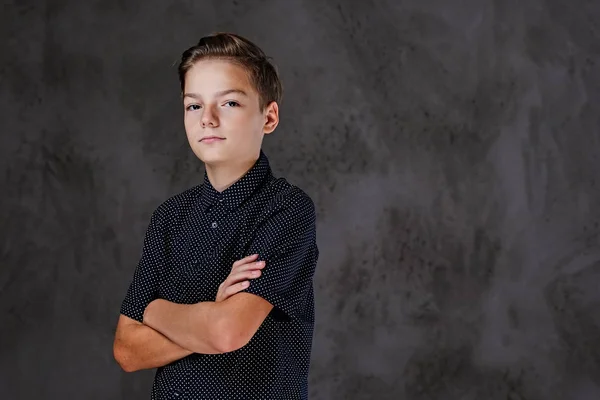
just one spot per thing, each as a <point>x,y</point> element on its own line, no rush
<point>208,76</point>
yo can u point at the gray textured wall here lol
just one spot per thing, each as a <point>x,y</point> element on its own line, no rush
<point>451,148</point>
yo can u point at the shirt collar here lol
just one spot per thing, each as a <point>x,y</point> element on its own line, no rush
<point>234,196</point>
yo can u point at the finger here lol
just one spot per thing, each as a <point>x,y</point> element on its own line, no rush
<point>250,274</point>
<point>238,287</point>
<point>237,277</point>
<point>249,266</point>
<point>245,260</point>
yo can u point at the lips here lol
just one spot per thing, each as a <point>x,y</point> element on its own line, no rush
<point>211,139</point>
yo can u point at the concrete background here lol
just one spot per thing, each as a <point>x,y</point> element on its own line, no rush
<point>451,148</point>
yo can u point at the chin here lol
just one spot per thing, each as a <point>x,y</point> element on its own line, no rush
<point>211,157</point>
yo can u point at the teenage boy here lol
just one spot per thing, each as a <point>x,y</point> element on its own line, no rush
<point>222,301</point>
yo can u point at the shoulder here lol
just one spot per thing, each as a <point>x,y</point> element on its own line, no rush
<point>284,197</point>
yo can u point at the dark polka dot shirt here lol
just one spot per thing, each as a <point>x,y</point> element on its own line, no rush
<point>191,243</point>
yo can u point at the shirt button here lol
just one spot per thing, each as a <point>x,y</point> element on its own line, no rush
<point>214,225</point>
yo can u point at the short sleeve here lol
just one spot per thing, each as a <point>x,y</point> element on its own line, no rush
<point>287,242</point>
<point>144,284</point>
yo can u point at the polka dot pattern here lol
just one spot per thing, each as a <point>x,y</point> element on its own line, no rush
<point>191,243</point>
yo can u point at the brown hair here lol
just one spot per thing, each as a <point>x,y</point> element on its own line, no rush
<point>235,48</point>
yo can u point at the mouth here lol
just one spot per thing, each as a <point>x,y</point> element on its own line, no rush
<point>211,139</point>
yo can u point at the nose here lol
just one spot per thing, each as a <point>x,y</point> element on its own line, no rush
<point>209,117</point>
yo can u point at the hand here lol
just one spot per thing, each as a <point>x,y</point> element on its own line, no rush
<point>242,270</point>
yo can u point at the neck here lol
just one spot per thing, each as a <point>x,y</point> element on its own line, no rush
<point>222,176</point>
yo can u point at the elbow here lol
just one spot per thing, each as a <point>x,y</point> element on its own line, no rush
<point>225,334</point>
<point>217,345</point>
<point>123,358</point>
<point>127,367</point>
<point>226,344</point>
<point>228,337</point>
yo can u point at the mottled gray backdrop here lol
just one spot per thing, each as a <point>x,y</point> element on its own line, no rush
<point>451,148</point>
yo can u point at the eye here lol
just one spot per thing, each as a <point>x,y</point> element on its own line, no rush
<point>232,104</point>
<point>192,107</point>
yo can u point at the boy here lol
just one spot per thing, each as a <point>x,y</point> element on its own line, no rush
<point>221,301</point>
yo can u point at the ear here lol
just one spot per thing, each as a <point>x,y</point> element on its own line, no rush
<point>271,114</point>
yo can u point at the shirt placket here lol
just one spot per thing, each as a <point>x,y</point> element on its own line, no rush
<point>216,219</point>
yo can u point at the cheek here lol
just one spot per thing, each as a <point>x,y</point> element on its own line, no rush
<point>251,121</point>
<point>189,120</point>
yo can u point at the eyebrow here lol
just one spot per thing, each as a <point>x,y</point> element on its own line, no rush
<point>218,94</point>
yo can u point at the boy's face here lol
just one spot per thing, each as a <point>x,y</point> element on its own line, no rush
<point>222,118</point>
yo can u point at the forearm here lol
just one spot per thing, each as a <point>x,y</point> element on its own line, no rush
<point>140,347</point>
<point>192,326</point>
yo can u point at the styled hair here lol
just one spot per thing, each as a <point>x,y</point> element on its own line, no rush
<point>237,49</point>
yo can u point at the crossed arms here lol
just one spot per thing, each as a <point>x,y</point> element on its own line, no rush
<point>171,331</point>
